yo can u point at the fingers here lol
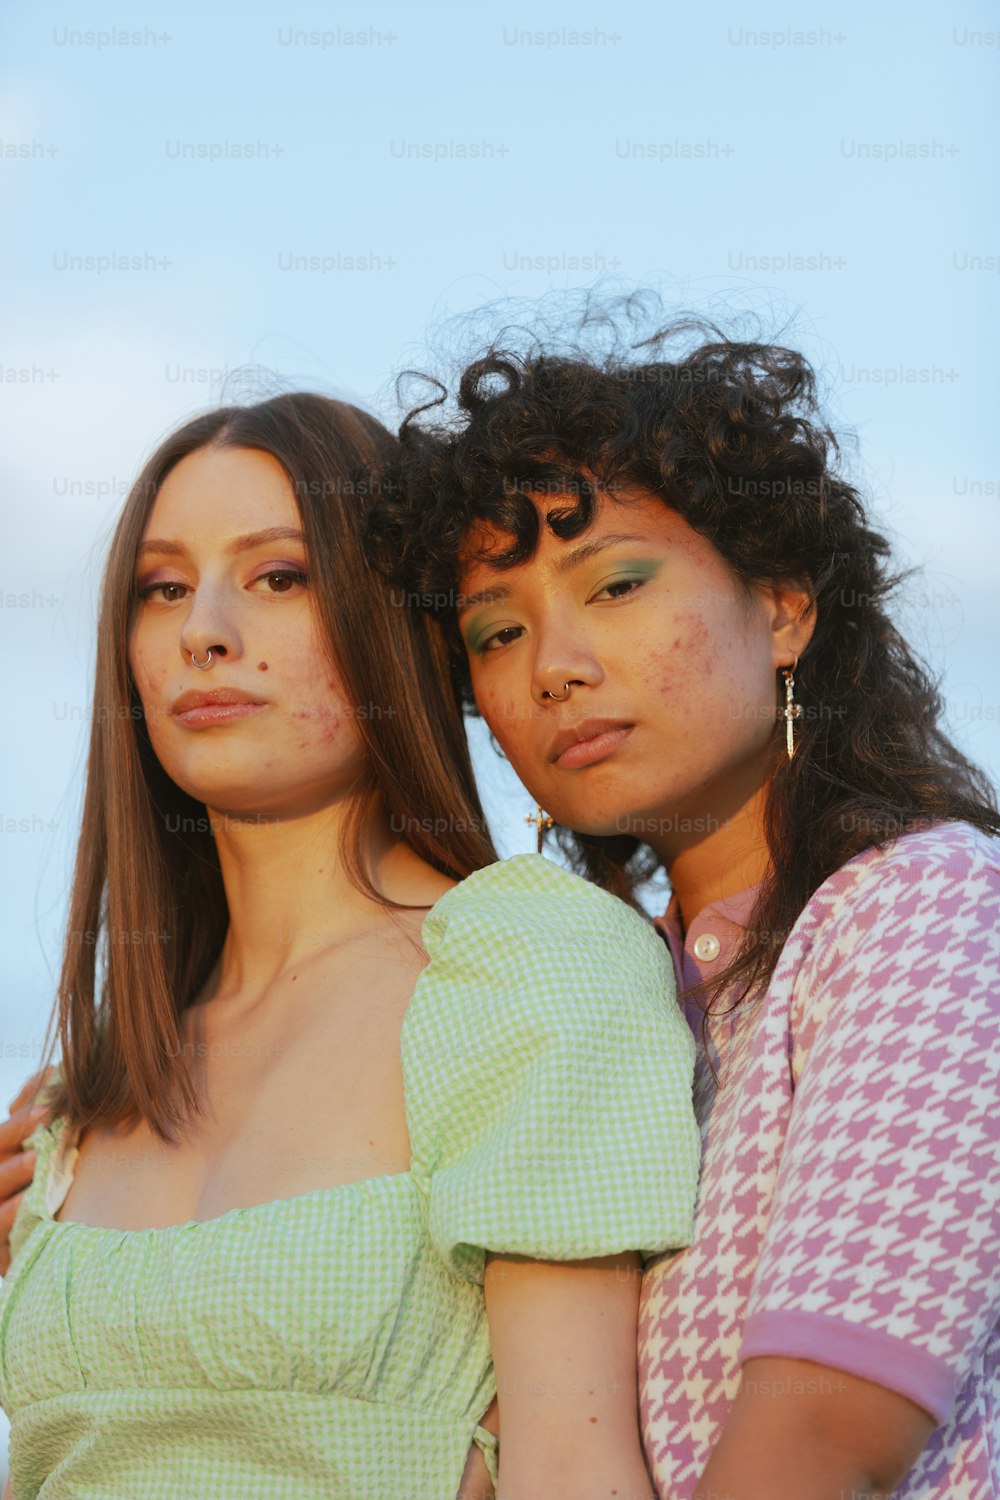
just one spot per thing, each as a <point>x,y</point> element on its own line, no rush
<point>30,1087</point>
<point>17,1167</point>
<point>19,1125</point>
<point>16,1171</point>
<point>8,1213</point>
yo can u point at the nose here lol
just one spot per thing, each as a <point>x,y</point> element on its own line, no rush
<point>208,627</point>
<point>563,660</point>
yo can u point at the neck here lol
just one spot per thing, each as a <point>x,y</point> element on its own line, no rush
<point>290,897</point>
<point>721,856</point>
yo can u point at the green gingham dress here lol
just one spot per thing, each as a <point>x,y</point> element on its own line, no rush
<point>336,1343</point>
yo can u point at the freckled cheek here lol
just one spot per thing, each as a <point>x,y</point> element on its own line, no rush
<point>147,678</point>
<point>706,674</point>
<point>682,668</point>
<point>323,725</point>
<point>321,722</point>
<point>500,710</point>
<point>715,682</point>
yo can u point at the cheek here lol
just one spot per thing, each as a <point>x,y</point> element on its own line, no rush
<point>685,667</point>
<point>711,670</point>
<point>318,711</point>
<point>499,707</point>
<point>146,674</point>
<point>321,717</point>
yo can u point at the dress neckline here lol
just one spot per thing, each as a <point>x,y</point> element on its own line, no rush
<point>487,873</point>
<point>367,1183</point>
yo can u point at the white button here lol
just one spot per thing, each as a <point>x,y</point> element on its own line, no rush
<point>706,947</point>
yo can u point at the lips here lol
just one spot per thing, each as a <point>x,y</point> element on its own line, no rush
<point>590,740</point>
<point>192,699</point>
<point>202,710</point>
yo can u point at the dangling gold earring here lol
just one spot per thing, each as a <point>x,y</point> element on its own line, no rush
<point>542,821</point>
<point>791,710</point>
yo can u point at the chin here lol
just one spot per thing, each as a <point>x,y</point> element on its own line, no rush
<point>597,824</point>
<point>229,806</point>
<point>236,789</point>
<point>605,802</point>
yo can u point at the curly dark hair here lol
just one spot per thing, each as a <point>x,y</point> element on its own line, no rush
<point>730,435</point>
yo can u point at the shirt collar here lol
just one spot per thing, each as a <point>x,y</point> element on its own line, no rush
<point>711,940</point>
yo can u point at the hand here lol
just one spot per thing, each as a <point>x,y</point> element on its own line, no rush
<point>17,1167</point>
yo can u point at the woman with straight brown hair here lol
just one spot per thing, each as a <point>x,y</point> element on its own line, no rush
<point>338,1090</point>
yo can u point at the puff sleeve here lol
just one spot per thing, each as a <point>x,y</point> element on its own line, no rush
<point>548,1070</point>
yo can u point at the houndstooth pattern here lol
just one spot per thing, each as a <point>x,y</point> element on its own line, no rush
<point>336,1342</point>
<point>849,1207</point>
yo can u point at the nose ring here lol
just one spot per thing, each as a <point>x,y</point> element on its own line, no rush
<point>555,696</point>
<point>202,665</point>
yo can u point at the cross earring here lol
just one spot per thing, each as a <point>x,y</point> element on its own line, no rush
<point>791,710</point>
<point>542,821</point>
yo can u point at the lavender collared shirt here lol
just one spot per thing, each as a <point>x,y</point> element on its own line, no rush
<point>849,1206</point>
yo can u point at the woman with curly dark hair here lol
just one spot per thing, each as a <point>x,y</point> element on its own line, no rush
<point>668,604</point>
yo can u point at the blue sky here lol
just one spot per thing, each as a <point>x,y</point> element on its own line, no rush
<point>405,166</point>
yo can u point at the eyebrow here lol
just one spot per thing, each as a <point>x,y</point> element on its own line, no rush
<point>571,560</point>
<point>238,544</point>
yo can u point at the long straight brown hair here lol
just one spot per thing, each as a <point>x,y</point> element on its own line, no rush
<point>148,911</point>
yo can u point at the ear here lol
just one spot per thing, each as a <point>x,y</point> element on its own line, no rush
<point>793,619</point>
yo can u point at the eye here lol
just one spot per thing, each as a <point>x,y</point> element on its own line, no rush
<point>160,588</point>
<point>502,638</point>
<point>620,588</point>
<point>283,580</point>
